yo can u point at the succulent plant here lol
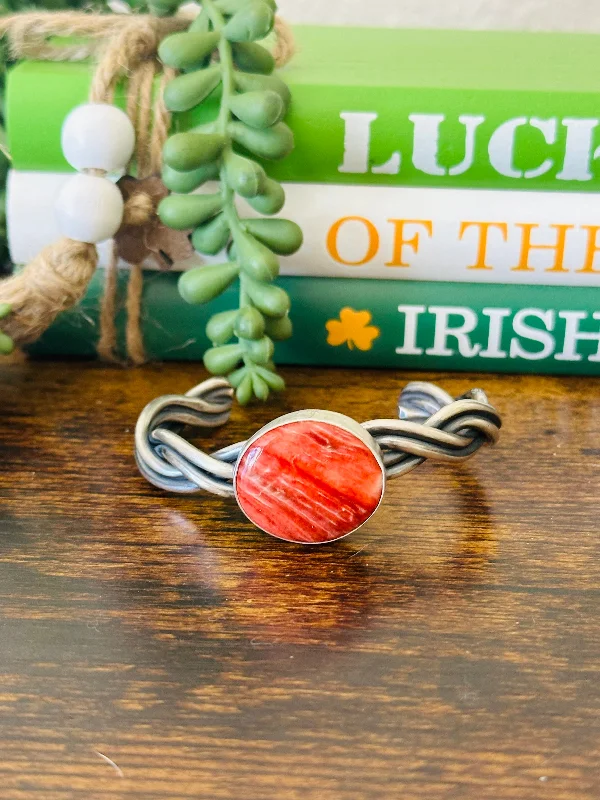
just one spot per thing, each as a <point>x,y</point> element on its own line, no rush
<point>249,124</point>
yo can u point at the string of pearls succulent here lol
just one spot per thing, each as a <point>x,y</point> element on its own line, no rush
<point>97,140</point>
<point>242,127</point>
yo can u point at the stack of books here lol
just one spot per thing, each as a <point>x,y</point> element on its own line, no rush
<point>446,182</point>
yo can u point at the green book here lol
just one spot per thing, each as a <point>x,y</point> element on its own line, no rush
<point>374,323</point>
<point>391,107</point>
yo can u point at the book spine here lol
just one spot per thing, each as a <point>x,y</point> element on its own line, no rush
<point>367,132</point>
<point>358,323</point>
<point>382,232</point>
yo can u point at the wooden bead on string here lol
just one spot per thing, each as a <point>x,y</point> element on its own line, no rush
<point>89,208</point>
<point>98,136</point>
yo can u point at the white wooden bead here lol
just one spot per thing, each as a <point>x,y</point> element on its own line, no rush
<point>98,136</point>
<point>89,208</point>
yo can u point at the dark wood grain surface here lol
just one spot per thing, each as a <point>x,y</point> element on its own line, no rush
<point>158,647</point>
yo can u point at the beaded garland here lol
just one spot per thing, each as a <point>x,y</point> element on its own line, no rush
<point>98,140</point>
<point>219,55</point>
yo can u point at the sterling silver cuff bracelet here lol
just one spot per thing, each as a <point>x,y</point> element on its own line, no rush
<point>310,476</point>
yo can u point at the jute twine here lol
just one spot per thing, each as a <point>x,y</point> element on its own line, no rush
<point>125,46</point>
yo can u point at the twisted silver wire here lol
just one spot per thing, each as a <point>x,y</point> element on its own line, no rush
<point>169,461</point>
<point>431,425</point>
<point>434,425</point>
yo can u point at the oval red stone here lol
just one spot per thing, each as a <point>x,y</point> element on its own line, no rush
<point>308,481</point>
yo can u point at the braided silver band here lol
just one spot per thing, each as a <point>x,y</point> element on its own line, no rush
<point>431,425</point>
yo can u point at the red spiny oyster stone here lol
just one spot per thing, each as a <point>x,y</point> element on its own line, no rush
<point>308,481</point>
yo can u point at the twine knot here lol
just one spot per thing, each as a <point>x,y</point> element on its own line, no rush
<point>139,209</point>
<point>142,234</point>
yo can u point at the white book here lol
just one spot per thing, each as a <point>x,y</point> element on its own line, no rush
<point>458,235</point>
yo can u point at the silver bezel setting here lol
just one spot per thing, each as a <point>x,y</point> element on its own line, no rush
<point>328,417</point>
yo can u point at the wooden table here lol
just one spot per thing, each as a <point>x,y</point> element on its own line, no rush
<point>156,646</point>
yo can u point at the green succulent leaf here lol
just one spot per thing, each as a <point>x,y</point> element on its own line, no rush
<point>249,323</point>
<point>259,386</point>
<point>244,390</point>
<point>220,327</point>
<point>270,200</point>
<point>223,359</point>
<point>273,381</point>
<point>259,109</point>
<point>256,260</point>
<point>183,211</point>
<point>231,252</point>
<point>188,50</point>
<point>249,82</point>
<point>186,91</point>
<point>282,236</point>
<point>186,182</point>
<point>201,24</point>
<point>252,21</point>
<point>261,351</point>
<point>268,298</point>
<point>237,376</point>
<point>279,329</point>
<point>188,151</point>
<point>272,143</point>
<point>202,284</point>
<point>6,343</point>
<point>251,57</point>
<point>211,237</point>
<point>245,176</point>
